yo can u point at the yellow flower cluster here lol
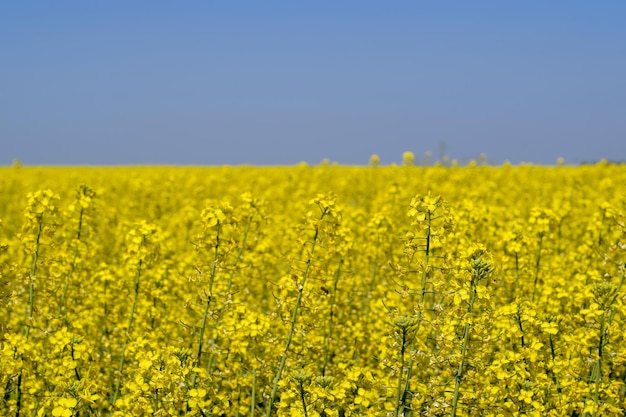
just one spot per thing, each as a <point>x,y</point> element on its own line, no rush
<point>313,291</point>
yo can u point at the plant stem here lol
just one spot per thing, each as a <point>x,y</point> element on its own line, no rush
<point>131,317</point>
<point>207,305</point>
<point>208,301</point>
<point>67,280</point>
<point>371,286</point>
<point>18,402</point>
<point>294,317</point>
<point>554,374</point>
<point>220,315</point>
<point>253,394</point>
<point>422,298</point>
<point>329,330</point>
<point>302,399</point>
<point>33,272</point>
<point>73,265</point>
<point>459,372</point>
<point>537,265</point>
<point>516,277</point>
<point>399,396</point>
<point>465,344</point>
<point>426,260</point>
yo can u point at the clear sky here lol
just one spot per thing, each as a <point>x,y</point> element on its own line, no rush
<point>279,82</point>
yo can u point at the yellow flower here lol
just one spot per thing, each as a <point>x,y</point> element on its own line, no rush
<point>526,396</point>
<point>550,327</point>
<point>64,407</point>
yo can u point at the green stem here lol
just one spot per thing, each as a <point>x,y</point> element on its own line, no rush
<point>62,306</point>
<point>399,395</point>
<point>77,374</point>
<point>253,393</point>
<point>596,371</point>
<point>554,374</point>
<point>302,399</point>
<point>600,240</point>
<point>407,387</point>
<point>459,372</point>
<point>155,402</point>
<point>73,265</point>
<point>521,328</point>
<point>537,266</point>
<point>371,287</point>
<point>621,281</point>
<point>465,344</point>
<point>369,293</point>
<point>426,259</point>
<point>129,326</point>
<point>78,378</point>
<point>329,330</point>
<point>403,392</point>
<point>220,315</point>
<point>422,298</point>
<point>207,305</point>
<point>294,317</point>
<point>18,402</point>
<point>33,272</point>
<point>135,298</point>
<point>516,276</point>
<point>605,323</point>
<point>209,298</point>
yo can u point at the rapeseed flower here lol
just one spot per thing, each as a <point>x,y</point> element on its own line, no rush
<point>318,291</point>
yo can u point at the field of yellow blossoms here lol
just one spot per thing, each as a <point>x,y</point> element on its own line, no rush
<point>313,291</point>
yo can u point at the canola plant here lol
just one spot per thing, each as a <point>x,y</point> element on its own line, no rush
<point>313,291</point>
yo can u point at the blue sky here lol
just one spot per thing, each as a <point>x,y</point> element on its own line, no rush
<point>279,82</point>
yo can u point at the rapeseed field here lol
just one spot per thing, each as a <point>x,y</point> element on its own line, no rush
<point>313,291</point>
